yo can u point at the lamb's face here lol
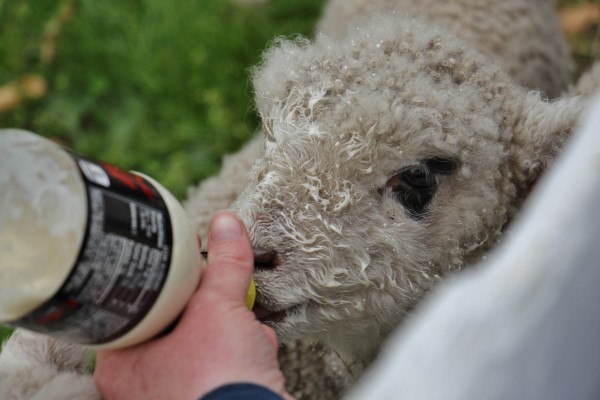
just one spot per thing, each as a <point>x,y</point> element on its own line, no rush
<point>387,164</point>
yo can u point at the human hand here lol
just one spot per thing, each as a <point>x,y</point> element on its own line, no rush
<point>217,340</point>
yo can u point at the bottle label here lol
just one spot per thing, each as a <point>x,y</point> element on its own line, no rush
<point>122,265</point>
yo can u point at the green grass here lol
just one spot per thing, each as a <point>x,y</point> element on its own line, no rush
<point>161,87</point>
<point>4,333</point>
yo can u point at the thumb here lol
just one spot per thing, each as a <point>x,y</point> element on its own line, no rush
<point>230,258</point>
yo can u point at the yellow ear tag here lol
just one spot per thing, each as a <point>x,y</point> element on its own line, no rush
<point>251,295</point>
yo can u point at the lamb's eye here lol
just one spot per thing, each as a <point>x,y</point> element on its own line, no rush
<point>417,177</point>
<point>415,186</point>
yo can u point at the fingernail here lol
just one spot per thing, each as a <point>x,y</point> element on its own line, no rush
<point>225,227</point>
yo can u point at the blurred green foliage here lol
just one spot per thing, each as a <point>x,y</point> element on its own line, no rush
<point>4,332</point>
<point>584,41</point>
<point>159,87</point>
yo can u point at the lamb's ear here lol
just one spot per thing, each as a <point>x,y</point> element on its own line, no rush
<point>540,133</point>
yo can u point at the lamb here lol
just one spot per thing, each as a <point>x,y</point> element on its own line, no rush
<point>391,158</point>
<point>36,367</point>
<point>523,37</point>
<point>297,109</point>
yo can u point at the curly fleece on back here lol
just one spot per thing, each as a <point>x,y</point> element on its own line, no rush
<point>523,37</point>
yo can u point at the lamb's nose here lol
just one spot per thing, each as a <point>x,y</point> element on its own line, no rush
<point>264,258</point>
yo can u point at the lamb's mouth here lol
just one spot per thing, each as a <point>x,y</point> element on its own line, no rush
<point>265,315</point>
<point>266,259</point>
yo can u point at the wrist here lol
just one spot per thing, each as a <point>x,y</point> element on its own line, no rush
<point>241,391</point>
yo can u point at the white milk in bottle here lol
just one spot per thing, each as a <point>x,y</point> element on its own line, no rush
<point>88,252</point>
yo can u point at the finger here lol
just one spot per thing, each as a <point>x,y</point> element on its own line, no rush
<point>230,258</point>
<point>271,336</point>
<point>104,367</point>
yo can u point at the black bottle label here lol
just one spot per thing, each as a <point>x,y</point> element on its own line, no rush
<point>122,265</point>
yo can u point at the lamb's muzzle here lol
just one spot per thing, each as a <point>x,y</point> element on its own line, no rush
<point>267,259</point>
<point>264,258</point>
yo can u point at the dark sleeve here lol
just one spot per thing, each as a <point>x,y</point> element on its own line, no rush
<point>242,391</point>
